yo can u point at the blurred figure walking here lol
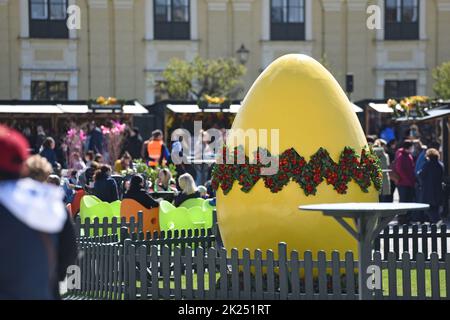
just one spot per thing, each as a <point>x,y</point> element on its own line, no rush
<point>431,178</point>
<point>379,147</point>
<point>404,167</point>
<point>32,214</point>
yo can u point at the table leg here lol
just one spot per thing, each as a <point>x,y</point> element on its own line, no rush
<point>364,250</point>
<point>365,228</point>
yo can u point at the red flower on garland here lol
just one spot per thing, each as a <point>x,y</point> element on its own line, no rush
<point>364,170</point>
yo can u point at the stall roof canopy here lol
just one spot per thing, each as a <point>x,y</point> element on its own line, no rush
<point>234,108</point>
<point>356,108</point>
<point>431,114</point>
<point>439,112</point>
<point>44,109</point>
<point>193,108</point>
<point>381,107</point>
<point>63,107</point>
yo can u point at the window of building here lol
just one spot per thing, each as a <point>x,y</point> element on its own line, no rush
<point>401,20</point>
<point>49,90</point>
<point>287,20</point>
<point>48,19</point>
<point>399,88</point>
<point>172,20</point>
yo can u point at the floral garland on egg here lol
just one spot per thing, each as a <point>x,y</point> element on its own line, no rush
<point>364,169</point>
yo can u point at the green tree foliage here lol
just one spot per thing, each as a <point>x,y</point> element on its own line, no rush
<point>441,74</point>
<point>192,80</point>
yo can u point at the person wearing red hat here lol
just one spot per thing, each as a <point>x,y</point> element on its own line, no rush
<point>37,241</point>
<point>14,148</point>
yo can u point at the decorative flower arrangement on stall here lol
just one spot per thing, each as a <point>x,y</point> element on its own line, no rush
<point>113,139</point>
<point>207,101</point>
<point>364,169</point>
<point>410,107</point>
<point>75,138</point>
<point>102,103</point>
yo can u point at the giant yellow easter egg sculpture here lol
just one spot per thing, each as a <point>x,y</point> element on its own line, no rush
<point>300,98</point>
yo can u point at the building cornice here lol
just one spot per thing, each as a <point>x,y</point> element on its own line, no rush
<point>332,5</point>
<point>98,4</point>
<point>357,5</point>
<point>217,5</point>
<point>123,4</point>
<point>242,5</point>
<point>443,5</point>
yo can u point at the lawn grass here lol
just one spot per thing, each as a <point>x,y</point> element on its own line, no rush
<point>385,283</point>
<point>442,283</point>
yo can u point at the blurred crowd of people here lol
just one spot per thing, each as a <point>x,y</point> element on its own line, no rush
<point>36,229</point>
<point>415,171</point>
<point>89,171</point>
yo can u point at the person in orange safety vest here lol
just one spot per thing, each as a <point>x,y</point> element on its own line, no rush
<point>155,151</point>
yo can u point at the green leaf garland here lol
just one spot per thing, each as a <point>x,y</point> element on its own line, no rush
<point>364,169</point>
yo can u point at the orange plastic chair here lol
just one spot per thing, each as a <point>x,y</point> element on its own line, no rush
<point>75,205</point>
<point>130,208</point>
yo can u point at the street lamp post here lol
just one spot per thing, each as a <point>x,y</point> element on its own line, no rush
<point>242,54</point>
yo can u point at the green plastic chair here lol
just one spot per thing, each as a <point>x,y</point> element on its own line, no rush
<point>115,207</point>
<point>189,203</point>
<point>208,212</point>
<point>86,203</point>
<point>197,217</point>
<point>115,213</point>
<point>165,207</point>
<point>92,207</point>
<point>176,219</point>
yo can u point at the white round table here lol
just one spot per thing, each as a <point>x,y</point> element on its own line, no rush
<point>370,218</point>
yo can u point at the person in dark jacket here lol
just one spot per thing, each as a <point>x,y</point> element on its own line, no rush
<point>95,138</point>
<point>431,178</point>
<point>390,150</point>
<point>48,151</point>
<point>61,153</point>
<point>136,192</point>
<point>105,187</point>
<point>86,178</point>
<point>40,138</point>
<point>133,143</point>
<point>404,167</point>
<point>34,215</point>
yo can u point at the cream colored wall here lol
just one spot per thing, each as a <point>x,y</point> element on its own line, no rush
<point>124,59</point>
<point>84,79</point>
<point>9,50</point>
<point>5,54</point>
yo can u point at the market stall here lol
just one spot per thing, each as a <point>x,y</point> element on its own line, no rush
<point>182,114</point>
<point>56,116</point>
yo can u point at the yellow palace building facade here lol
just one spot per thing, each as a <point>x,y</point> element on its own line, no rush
<point>121,47</point>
